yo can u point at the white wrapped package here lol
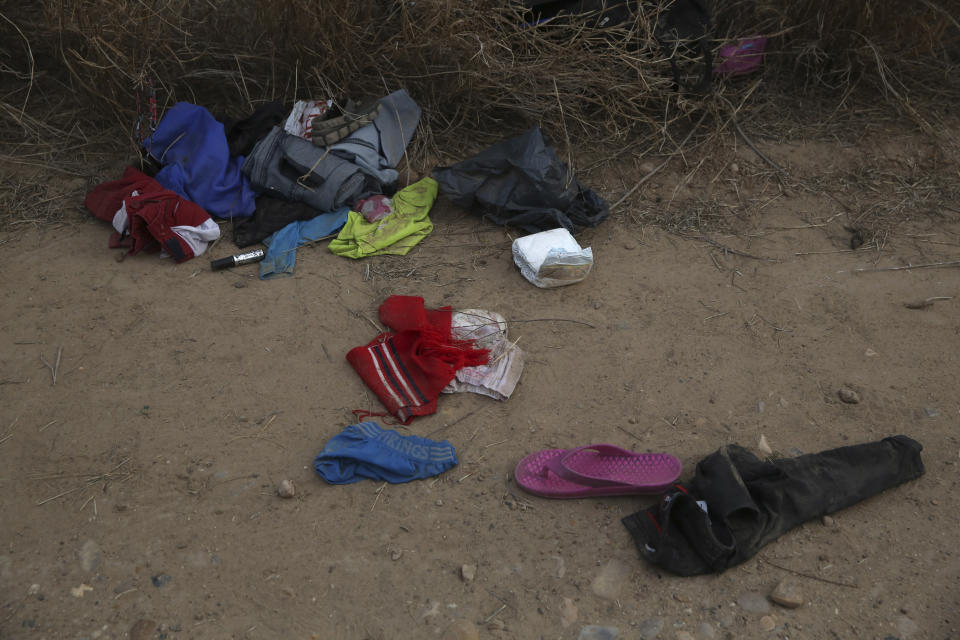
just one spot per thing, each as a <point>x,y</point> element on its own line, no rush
<point>552,258</point>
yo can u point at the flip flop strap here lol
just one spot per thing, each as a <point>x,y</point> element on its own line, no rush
<point>558,466</point>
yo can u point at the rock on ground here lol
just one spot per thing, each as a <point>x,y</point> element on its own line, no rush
<point>286,489</point>
<point>849,396</point>
<point>788,594</point>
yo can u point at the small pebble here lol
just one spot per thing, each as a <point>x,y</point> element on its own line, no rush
<point>160,580</point>
<point>934,502</point>
<point>828,521</point>
<point>396,554</point>
<point>734,167</point>
<point>787,594</point>
<point>239,285</point>
<point>849,396</point>
<point>439,502</point>
<point>286,489</point>
<point>630,244</point>
<point>596,305</point>
<point>768,623</point>
<point>468,572</point>
<point>707,632</point>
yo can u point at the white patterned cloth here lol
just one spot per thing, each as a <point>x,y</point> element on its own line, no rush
<point>499,377</point>
<point>300,120</point>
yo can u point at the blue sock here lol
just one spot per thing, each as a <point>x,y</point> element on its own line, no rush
<point>365,450</point>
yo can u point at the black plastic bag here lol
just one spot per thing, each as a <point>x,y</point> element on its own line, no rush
<point>522,183</point>
<point>242,135</point>
<point>737,503</point>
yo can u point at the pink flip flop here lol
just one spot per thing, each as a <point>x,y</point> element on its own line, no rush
<point>596,470</point>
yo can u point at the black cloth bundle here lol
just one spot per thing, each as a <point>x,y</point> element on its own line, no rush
<point>737,503</point>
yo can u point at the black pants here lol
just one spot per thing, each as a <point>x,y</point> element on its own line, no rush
<point>737,503</point>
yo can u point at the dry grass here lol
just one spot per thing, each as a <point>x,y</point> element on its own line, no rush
<point>73,66</point>
<point>475,66</point>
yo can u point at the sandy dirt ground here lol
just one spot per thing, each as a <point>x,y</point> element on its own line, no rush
<point>139,491</point>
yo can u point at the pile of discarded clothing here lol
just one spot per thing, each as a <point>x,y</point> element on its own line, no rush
<point>426,352</point>
<point>281,176</point>
<point>432,351</point>
<point>289,176</point>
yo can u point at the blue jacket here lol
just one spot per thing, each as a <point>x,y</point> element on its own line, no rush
<point>192,147</point>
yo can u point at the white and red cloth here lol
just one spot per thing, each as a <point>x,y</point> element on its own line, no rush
<point>147,217</point>
<point>408,367</point>
<point>300,120</point>
<point>499,377</point>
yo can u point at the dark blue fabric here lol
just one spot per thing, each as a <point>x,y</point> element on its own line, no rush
<point>192,147</point>
<point>365,450</point>
<point>282,246</point>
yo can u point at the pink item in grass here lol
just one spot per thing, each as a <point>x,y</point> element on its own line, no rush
<point>743,57</point>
